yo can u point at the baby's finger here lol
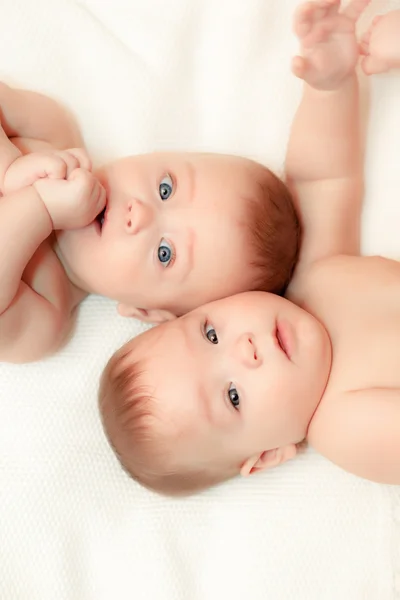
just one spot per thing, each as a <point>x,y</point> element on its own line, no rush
<point>327,8</point>
<point>363,44</point>
<point>298,66</point>
<point>82,157</point>
<point>54,167</point>
<point>99,197</point>
<point>70,161</point>
<point>372,65</point>
<point>333,5</point>
<point>77,174</point>
<point>303,19</point>
<point>322,9</point>
<point>355,8</point>
<point>102,197</point>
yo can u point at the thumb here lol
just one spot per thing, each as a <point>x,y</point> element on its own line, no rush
<point>76,174</point>
<point>298,66</point>
<point>372,65</point>
<point>101,199</point>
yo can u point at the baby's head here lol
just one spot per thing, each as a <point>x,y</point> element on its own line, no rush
<point>229,388</point>
<point>181,230</point>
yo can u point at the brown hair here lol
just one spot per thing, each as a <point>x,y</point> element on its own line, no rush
<point>275,232</point>
<point>135,422</point>
<point>143,438</point>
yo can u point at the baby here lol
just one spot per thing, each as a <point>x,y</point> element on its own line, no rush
<point>160,233</point>
<point>238,384</point>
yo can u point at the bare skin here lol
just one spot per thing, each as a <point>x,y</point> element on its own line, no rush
<point>150,252</point>
<point>380,44</point>
<point>259,373</point>
<point>65,266</point>
<point>36,301</point>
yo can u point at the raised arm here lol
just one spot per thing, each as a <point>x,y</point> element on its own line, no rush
<point>324,158</point>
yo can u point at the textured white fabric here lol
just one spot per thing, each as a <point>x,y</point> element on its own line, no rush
<point>183,74</point>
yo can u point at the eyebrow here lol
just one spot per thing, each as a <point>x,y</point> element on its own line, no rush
<point>209,407</point>
<point>192,180</point>
<point>189,254</point>
<point>185,249</point>
<point>188,262</point>
<point>206,404</point>
<point>188,268</point>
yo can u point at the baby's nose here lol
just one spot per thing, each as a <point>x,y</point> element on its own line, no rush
<point>138,216</point>
<point>246,352</point>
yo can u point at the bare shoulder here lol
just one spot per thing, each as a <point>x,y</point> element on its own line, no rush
<point>307,280</point>
<point>333,274</point>
<point>359,430</point>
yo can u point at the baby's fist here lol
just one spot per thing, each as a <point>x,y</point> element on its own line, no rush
<point>54,164</point>
<point>72,203</point>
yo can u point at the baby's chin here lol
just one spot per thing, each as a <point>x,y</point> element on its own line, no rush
<point>72,245</point>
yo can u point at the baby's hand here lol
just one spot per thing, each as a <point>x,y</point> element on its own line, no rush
<point>381,44</point>
<point>72,203</point>
<point>328,42</point>
<point>54,164</point>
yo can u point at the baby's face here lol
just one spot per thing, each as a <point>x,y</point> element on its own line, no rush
<point>174,234</point>
<point>241,375</point>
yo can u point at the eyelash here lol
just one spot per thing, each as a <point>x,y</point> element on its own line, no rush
<point>237,406</point>
<point>172,247</point>
<point>173,255</point>
<point>204,327</point>
<point>172,185</point>
<point>204,330</point>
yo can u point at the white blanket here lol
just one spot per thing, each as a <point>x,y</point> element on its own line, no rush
<point>177,74</point>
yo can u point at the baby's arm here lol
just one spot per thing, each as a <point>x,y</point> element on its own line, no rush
<point>34,122</point>
<point>24,315</point>
<point>54,164</point>
<point>30,324</point>
<point>361,434</point>
<point>28,118</point>
<point>381,44</point>
<point>8,154</point>
<point>324,163</point>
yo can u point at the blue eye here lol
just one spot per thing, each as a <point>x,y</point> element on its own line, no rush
<point>166,187</point>
<point>234,396</point>
<point>211,334</point>
<point>165,253</point>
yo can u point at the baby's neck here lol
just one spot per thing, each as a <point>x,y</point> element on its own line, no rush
<point>78,288</point>
<point>320,400</point>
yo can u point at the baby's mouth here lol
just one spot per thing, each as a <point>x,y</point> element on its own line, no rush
<point>281,341</point>
<point>101,217</point>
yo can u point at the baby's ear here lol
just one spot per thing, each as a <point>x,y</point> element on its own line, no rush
<point>154,315</point>
<point>268,459</point>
